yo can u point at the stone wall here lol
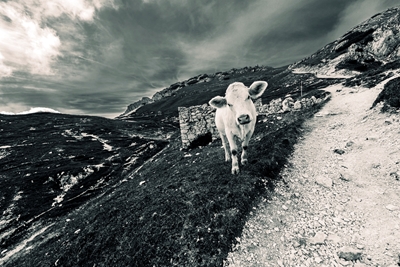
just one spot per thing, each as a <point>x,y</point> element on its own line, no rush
<point>198,121</point>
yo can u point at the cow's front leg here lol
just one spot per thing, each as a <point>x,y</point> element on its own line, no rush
<point>226,148</point>
<point>245,145</point>
<point>234,152</point>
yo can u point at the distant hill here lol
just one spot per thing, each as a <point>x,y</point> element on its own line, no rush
<point>281,81</point>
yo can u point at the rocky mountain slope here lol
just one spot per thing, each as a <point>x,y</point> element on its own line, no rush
<point>370,45</point>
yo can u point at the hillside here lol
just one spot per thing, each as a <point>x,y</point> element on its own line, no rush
<point>281,81</point>
<point>90,191</point>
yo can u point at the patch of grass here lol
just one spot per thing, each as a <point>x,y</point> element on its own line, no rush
<point>182,209</point>
<point>373,76</point>
<point>64,157</point>
<point>357,65</point>
<point>390,95</point>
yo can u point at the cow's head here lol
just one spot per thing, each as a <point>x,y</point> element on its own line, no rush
<point>238,98</point>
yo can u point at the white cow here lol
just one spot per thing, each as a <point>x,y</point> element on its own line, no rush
<point>236,116</point>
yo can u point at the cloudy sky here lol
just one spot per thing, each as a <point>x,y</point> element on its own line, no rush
<point>97,56</point>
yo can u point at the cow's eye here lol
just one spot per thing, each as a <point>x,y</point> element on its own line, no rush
<point>248,97</point>
<point>230,105</point>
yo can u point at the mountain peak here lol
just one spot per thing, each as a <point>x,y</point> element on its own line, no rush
<point>371,44</point>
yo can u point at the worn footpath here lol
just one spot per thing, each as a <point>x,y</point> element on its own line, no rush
<point>338,203</point>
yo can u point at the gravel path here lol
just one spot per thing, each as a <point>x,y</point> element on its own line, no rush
<point>339,200</point>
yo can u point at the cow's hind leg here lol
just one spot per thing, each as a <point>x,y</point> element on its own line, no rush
<point>245,145</point>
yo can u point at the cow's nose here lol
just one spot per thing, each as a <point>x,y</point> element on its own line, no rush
<point>244,119</point>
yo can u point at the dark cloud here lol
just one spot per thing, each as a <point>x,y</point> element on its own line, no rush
<point>104,56</point>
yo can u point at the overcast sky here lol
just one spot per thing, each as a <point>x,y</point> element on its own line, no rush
<point>97,56</point>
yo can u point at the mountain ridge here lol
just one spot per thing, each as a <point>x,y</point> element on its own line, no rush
<point>372,45</point>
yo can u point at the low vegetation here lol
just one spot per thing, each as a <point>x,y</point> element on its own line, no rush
<point>183,208</point>
<point>52,164</point>
<point>390,95</point>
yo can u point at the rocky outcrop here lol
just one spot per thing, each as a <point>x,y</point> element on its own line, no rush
<point>134,106</point>
<point>373,43</point>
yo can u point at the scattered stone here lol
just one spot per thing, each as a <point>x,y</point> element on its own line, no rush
<point>339,151</point>
<point>349,254</point>
<point>359,246</point>
<point>392,207</point>
<point>349,144</point>
<point>388,122</point>
<point>346,175</point>
<point>319,238</point>
<point>318,259</point>
<point>324,181</point>
<point>296,244</point>
<point>376,165</point>
<point>395,175</point>
<point>334,238</point>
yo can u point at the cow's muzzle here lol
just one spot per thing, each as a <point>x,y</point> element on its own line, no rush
<point>243,119</point>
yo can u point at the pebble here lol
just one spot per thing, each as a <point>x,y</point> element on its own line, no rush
<point>359,246</point>
<point>324,181</point>
<point>339,151</point>
<point>296,244</point>
<point>346,175</point>
<point>319,238</point>
<point>334,238</point>
<point>392,207</point>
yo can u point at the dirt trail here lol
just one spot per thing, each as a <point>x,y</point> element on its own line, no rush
<point>339,201</point>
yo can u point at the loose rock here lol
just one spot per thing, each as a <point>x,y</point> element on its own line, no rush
<point>346,175</point>
<point>392,207</point>
<point>349,254</point>
<point>324,181</point>
<point>319,238</point>
<point>339,151</point>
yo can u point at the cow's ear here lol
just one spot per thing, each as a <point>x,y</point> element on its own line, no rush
<point>257,89</point>
<point>218,102</point>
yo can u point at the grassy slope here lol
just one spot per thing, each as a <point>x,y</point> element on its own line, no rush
<point>176,211</point>
<point>45,152</point>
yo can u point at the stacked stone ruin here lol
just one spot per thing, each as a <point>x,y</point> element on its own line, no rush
<point>198,121</point>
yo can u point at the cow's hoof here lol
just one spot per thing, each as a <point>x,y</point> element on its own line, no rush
<point>244,161</point>
<point>235,170</point>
